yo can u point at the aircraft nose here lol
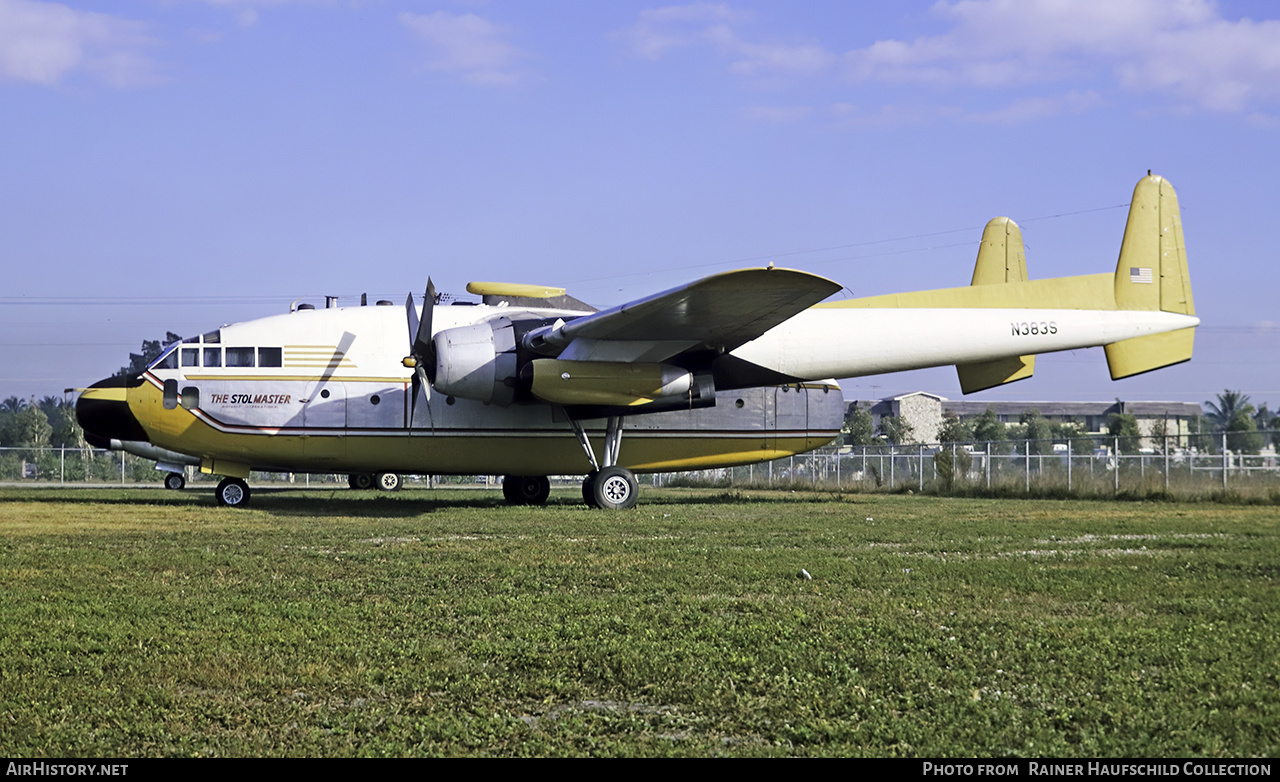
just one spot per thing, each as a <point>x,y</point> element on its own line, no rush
<point>104,414</point>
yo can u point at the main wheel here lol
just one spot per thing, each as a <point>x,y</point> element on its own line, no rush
<point>232,492</point>
<point>388,481</point>
<point>175,481</point>
<point>615,488</point>
<point>360,480</point>
<point>526,489</point>
<point>589,489</point>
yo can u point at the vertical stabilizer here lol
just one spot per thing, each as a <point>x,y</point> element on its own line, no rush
<point>1152,271</point>
<point>1152,275</point>
<point>1001,259</point>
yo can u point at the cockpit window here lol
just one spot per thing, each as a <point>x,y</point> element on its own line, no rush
<point>191,357</point>
<point>212,356</point>
<point>270,357</point>
<point>213,338</point>
<point>168,359</point>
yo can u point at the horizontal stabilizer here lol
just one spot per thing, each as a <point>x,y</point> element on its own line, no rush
<point>989,374</point>
<point>1142,354</point>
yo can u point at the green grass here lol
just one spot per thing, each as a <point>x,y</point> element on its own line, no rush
<point>143,622</point>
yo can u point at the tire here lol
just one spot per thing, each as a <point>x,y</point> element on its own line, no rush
<point>360,480</point>
<point>509,489</point>
<point>388,481</point>
<point>175,481</point>
<point>232,493</point>
<point>615,488</point>
<point>589,489</point>
<point>526,489</point>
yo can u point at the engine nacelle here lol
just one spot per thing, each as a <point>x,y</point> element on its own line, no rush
<point>608,383</point>
<point>477,362</point>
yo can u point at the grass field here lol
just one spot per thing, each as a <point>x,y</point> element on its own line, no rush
<point>142,622</point>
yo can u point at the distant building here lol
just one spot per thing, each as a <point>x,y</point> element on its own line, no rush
<point>924,412</point>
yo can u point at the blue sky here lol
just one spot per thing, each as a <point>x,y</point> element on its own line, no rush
<point>172,165</point>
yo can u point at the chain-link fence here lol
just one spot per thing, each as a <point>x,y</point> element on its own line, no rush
<point>90,467</point>
<point>1098,464</point>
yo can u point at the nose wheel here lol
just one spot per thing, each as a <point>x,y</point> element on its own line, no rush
<point>526,489</point>
<point>232,493</point>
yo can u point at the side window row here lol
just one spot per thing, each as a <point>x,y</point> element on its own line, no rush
<point>235,357</point>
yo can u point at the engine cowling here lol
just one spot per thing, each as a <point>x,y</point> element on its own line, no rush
<point>477,362</point>
<point>608,383</point>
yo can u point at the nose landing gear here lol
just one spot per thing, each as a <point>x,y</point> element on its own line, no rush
<point>232,492</point>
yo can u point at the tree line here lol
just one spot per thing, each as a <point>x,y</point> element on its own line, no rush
<point>1245,425</point>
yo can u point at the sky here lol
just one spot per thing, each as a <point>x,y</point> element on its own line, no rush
<point>174,165</point>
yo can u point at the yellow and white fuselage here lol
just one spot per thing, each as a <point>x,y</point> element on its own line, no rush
<point>340,402</point>
<point>731,369</point>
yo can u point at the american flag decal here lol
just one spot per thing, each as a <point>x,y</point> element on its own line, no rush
<point>1139,274</point>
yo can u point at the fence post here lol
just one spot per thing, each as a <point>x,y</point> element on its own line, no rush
<point>988,464</point>
<point>62,465</point>
<point>921,487</point>
<point>1116,451</point>
<point>1166,462</point>
<point>1026,449</point>
<point>1225,461</point>
<point>1068,464</point>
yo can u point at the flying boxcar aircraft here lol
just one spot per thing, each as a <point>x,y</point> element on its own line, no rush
<point>732,369</point>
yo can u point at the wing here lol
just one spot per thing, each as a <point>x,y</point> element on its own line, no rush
<point>716,313</point>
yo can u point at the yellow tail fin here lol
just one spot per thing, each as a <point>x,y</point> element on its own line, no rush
<point>1001,259</point>
<point>1152,274</point>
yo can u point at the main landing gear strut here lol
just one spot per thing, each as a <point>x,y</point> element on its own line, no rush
<point>608,486</point>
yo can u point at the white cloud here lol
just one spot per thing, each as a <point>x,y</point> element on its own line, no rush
<point>45,43</point>
<point>1184,49</point>
<point>1039,107</point>
<point>1180,47</point>
<point>660,29</point>
<point>468,45</point>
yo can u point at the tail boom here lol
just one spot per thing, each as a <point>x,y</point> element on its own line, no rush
<point>1143,313</point>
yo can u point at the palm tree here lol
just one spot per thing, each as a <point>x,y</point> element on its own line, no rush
<point>1230,404</point>
<point>13,404</point>
<point>49,404</point>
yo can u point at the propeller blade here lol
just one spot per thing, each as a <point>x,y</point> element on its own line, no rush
<point>412,314</point>
<point>420,346</point>
<point>422,349</point>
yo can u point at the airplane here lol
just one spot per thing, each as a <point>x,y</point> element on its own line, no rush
<point>735,368</point>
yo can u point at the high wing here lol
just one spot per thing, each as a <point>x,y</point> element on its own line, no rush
<point>716,314</point>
